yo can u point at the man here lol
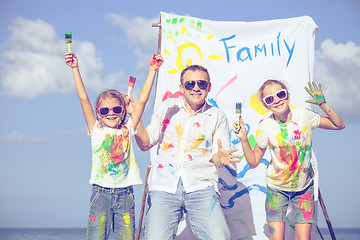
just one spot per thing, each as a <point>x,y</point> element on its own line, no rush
<point>188,135</point>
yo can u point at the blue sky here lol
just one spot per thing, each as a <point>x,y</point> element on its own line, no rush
<point>45,151</point>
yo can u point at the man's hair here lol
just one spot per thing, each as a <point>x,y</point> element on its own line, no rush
<point>194,68</point>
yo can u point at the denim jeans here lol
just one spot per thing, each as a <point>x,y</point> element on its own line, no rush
<point>302,202</point>
<point>206,217</point>
<point>111,208</point>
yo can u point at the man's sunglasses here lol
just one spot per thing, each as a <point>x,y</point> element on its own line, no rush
<point>269,100</point>
<point>203,84</point>
<point>105,110</point>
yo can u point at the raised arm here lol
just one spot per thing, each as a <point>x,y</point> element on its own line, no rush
<point>72,61</point>
<point>155,62</point>
<point>252,156</point>
<point>333,121</point>
<point>141,136</point>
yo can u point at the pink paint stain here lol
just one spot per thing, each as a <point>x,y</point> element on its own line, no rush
<point>297,134</point>
<point>306,205</point>
<point>190,157</point>
<point>226,86</point>
<point>168,94</point>
<point>94,218</point>
<point>160,165</point>
<point>165,123</point>
<point>197,124</point>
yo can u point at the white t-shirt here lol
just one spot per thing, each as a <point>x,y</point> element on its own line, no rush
<point>113,159</point>
<point>290,148</point>
<point>184,145</point>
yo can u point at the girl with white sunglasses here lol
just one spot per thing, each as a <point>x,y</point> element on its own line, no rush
<point>287,133</point>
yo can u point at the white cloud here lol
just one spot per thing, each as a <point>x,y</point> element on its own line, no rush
<point>337,67</point>
<point>33,62</point>
<point>18,137</point>
<point>138,30</point>
<point>141,43</point>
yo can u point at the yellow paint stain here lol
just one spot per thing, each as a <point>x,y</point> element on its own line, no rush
<point>179,131</point>
<point>183,30</point>
<point>127,220</point>
<point>258,131</point>
<point>166,52</point>
<point>102,225</point>
<point>197,142</point>
<point>256,104</point>
<point>189,61</point>
<point>167,146</point>
<point>291,106</point>
<point>172,71</point>
<point>145,87</point>
<point>128,233</point>
<point>279,139</point>
<point>304,129</point>
<point>184,46</point>
<point>209,36</point>
<point>169,37</point>
<point>215,57</point>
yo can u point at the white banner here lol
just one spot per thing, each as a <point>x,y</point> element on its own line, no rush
<point>239,56</point>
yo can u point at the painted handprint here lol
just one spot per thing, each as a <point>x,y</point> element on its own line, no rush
<point>316,93</point>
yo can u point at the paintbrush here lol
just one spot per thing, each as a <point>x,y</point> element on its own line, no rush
<point>238,108</point>
<point>131,84</point>
<point>68,40</point>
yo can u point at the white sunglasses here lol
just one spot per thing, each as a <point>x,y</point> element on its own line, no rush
<point>270,99</point>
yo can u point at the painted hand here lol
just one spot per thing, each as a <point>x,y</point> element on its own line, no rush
<point>225,157</point>
<point>130,103</point>
<point>71,59</point>
<point>316,93</point>
<point>156,61</point>
<point>240,129</point>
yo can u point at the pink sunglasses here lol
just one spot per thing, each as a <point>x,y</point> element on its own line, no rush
<point>104,111</point>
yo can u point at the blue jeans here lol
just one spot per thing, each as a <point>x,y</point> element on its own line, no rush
<point>111,208</point>
<point>206,217</point>
<point>303,205</point>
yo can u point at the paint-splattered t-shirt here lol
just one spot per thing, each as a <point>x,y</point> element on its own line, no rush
<point>113,160</point>
<point>290,149</point>
<point>184,145</point>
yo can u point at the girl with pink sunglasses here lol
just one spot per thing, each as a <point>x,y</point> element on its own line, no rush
<point>114,170</point>
<point>287,133</point>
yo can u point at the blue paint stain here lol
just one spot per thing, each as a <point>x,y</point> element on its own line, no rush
<point>240,193</point>
<point>213,102</point>
<point>212,204</point>
<point>247,168</point>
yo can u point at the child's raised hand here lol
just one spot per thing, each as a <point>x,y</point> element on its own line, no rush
<point>130,103</point>
<point>71,59</point>
<point>240,129</point>
<point>316,93</point>
<point>156,61</point>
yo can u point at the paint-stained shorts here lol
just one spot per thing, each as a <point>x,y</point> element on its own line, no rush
<point>111,209</point>
<point>302,202</point>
